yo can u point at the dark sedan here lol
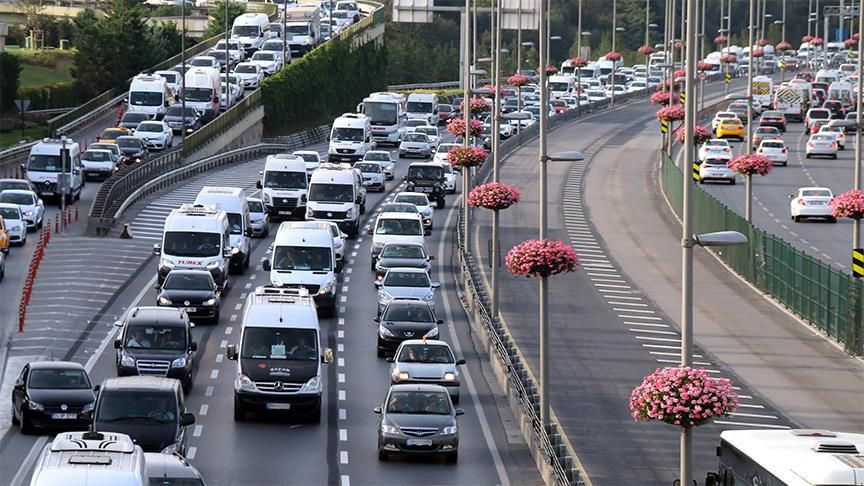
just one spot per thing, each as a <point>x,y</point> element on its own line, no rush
<point>405,319</point>
<point>131,119</point>
<point>132,149</point>
<point>193,291</point>
<point>403,255</point>
<point>446,113</point>
<point>174,118</point>
<point>52,394</point>
<point>773,119</point>
<point>418,420</point>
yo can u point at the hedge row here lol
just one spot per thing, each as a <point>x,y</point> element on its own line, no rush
<point>323,84</point>
<point>57,95</point>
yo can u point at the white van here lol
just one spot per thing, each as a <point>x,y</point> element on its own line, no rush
<point>251,29</point>
<point>303,27</point>
<point>560,86</point>
<point>284,186</point>
<point>45,164</point>
<point>202,90</point>
<point>763,89</point>
<point>91,459</point>
<point>174,80</point>
<point>350,138</point>
<point>149,94</point>
<point>234,203</point>
<point>195,237</point>
<point>279,355</point>
<point>790,102</point>
<point>826,76</point>
<point>396,228</point>
<point>305,257</point>
<point>336,194</point>
<point>841,91</point>
<point>423,106</point>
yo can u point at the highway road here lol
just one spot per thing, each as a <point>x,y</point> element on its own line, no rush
<point>341,450</point>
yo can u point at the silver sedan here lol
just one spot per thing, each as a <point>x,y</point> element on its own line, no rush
<point>405,283</point>
<point>426,361</point>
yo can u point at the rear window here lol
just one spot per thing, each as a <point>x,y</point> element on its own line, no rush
<point>716,162</point>
<point>778,145</point>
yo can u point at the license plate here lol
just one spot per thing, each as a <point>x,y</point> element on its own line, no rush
<point>419,442</point>
<point>189,309</point>
<point>818,203</point>
<point>64,416</point>
<point>46,193</point>
<point>284,212</point>
<point>278,406</point>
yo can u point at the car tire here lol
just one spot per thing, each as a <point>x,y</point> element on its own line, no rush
<point>26,428</point>
<point>832,219</point>
<point>187,384</point>
<point>239,413</point>
<point>834,157</point>
<point>796,218</point>
<point>379,352</point>
<point>440,203</point>
<point>372,266</point>
<point>15,420</point>
<point>383,456</point>
<point>315,417</point>
<point>452,458</point>
<point>807,156</point>
<point>363,208</point>
<point>246,261</point>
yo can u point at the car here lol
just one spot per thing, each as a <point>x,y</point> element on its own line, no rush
<point>343,18</point>
<point>21,184</point>
<point>811,202</point>
<point>98,163</point>
<point>110,135</point>
<point>131,119</point>
<point>410,126</point>
<point>205,62</point>
<point>16,226</point>
<point>4,237</point>
<point>383,157</point>
<point>193,291</point>
<point>527,119</point>
<point>311,158</point>
<point>393,207</point>
<point>823,145</point>
<point>402,255</point>
<point>405,319</point>
<point>773,119</point>
<point>817,125</point>
<point>449,177</point>
<point>838,132</point>
<point>235,50</point>
<point>415,144</point>
<point>427,361</point>
<point>714,168</point>
<point>228,96</point>
<point>432,133</point>
<point>405,283</point>
<point>740,110</point>
<point>775,150</point>
<point>259,219</point>
<point>441,153</point>
<point>171,469</point>
<point>52,395</point>
<point>836,108</point>
<point>267,60</point>
<point>730,127</point>
<point>32,208</point>
<point>558,105</point>
<point>418,420</point>
<point>225,63</point>
<point>156,135</point>
<point>175,119</point>
<point>373,175</point>
<point>445,113</point>
<point>250,74</point>
<point>714,146</point>
<point>156,341</point>
<point>418,199</point>
<point>814,114</point>
<point>765,133</point>
<point>132,148</point>
<point>236,85</point>
<point>719,117</point>
<point>111,147</point>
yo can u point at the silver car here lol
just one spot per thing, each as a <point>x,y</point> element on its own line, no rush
<point>430,361</point>
<point>715,169</point>
<point>822,144</point>
<point>382,157</point>
<point>259,220</point>
<point>415,144</point>
<point>373,175</point>
<point>405,283</point>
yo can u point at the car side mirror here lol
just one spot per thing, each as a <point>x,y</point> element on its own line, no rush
<point>193,346</point>
<point>327,357</point>
<point>231,352</point>
<point>338,267</point>
<point>460,361</point>
<point>390,359</point>
<point>791,196</point>
<point>97,388</point>
<point>377,410</point>
<point>369,231</point>
<point>157,249</point>
<point>359,200</point>
<point>265,264</point>
<point>459,412</point>
<point>258,184</point>
<point>440,321</point>
<point>436,285</point>
<point>377,319</point>
<point>248,232</point>
<point>430,257</point>
<point>378,284</point>
<point>23,168</point>
<point>118,343</point>
<point>427,232</point>
<point>187,419</point>
<point>88,415</point>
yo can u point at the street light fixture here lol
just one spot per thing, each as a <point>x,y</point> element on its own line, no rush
<point>653,26</point>
<point>720,238</point>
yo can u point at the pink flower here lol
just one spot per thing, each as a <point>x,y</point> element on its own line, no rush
<point>679,73</point>
<point>466,156</point>
<point>758,52</point>
<point>783,46</point>
<point>751,164</point>
<point>550,70</point>
<point>494,196</point>
<point>541,258</point>
<point>700,134</point>
<point>816,41</point>
<point>645,50</point>
<point>850,204</point>
<point>728,58</point>
<point>671,113</point>
<point>578,62</point>
<point>720,39</point>
<point>678,44</point>
<point>807,38</point>
<point>662,98</point>
<point>762,42</point>
<point>704,66</point>
<point>670,395</point>
<point>518,80</point>
<point>477,105</point>
<point>613,56</point>
<point>456,127</point>
<point>850,42</point>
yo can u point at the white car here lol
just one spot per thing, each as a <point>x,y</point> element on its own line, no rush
<point>382,157</point>
<point>267,60</point>
<point>432,133</point>
<point>504,129</point>
<point>596,95</point>
<point>259,219</point>
<point>29,203</point>
<point>814,114</point>
<point>275,46</point>
<point>449,177</point>
<point>418,199</point>
<point>636,86</point>
<point>204,61</point>
<point>443,149</point>
<point>98,163</point>
<point>312,159</point>
<point>775,150</point>
<point>228,96</point>
<point>839,134</point>
<point>713,147</point>
<point>235,50</point>
<point>527,122</point>
<point>156,135</point>
<point>618,89</point>
<point>811,202</point>
<point>410,126</point>
<point>373,175</point>
<point>415,144</point>
<point>714,169</point>
<point>236,86</point>
<point>250,74</point>
<point>16,226</point>
<point>822,144</point>
<point>719,117</point>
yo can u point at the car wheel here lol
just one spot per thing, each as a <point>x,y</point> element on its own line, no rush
<point>239,413</point>
<point>315,417</point>
<point>832,219</point>
<point>372,266</point>
<point>379,352</point>
<point>246,261</point>
<point>363,208</point>
<point>807,156</point>
<point>796,218</point>
<point>382,456</point>
<point>26,428</point>
<point>732,182</point>
<point>834,156</point>
<point>187,384</point>
<point>452,458</point>
<point>440,203</point>
<point>15,420</point>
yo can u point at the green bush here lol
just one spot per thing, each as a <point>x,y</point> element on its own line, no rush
<point>57,95</point>
<point>10,78</point>
<point>326,82</point>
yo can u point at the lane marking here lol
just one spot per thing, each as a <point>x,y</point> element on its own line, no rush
<point>343,435</point>
<point>204,409</point>
<point>191,452</point>
<point>214,374</point>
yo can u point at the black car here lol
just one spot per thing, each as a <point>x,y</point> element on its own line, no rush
<point>149,409</point>
<point>418,420</point>
<point>193,291</point>
<point>52,394</point>
<point>836,107</point>
<point>174,118</point>
<point>402,255</point>
<point>156,341</point>
<point>773,119</point>
<point>131,119</point>
<point>132,149</point>
<point>427,178</point>
<point>405,319</point>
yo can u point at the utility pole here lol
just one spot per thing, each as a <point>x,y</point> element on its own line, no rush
<point>614,35</point>
<point>856,223</point>
<point>227,61</point>
<point>579,31</point>
<point>494,255</point>
<point>748,209</point>
<point>545,418</point>
<point>183,67</point>
<point>466,111</point>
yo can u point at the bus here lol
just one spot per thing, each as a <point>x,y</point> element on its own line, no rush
<point>792,457</point>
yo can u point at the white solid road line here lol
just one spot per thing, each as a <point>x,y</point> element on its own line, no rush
<point>457,347</point>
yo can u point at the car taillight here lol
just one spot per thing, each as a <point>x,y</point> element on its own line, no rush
<point>759,151</point>
<point>784,150</point>
<point>802,202</point>
<point>727,149</point>
<point>834,145</point>
<point>809,144</point>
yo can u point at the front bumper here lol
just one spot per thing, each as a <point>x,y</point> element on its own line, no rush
<point>177,373</point>
<point>195,311</point>
<point>325,301</point>
<point>258,227</point>
<point>337,157</point>
<point>373,184</point>
<point>301,403</point>
<point>43,419</point>
<point>399,444</point>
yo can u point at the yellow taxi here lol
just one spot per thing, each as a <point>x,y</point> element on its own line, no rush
<point>4,236</point>
<point>109,135</point>
<point>730,127</point>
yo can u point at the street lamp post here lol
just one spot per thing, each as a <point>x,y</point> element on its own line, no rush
<point>748,208</point>
<point>856,223</point>
<point>183,68</point>
<point>614,35</point>
<point>228,61</point>
<point>544,283</point>
<point>579,30</point>
<point>62,181</point>
<point>496,156</point>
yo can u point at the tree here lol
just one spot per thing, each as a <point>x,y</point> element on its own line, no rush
<point>216,25</point>
<point>92,66</point>
<point>10,72</point>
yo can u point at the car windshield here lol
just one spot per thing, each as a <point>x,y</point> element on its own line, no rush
<point>129,143</point>
<point>10,213</point>
<point>425,173</point>
<point>776,145</point>
<point>145,98</point>
<point>149,127</point>
<point>772,114</point>
<point>399,227</point>
<point>374,167</point>
<point>246,69</point>
<point>202,62</point>
<point>425,353</point>
<point>344,134</point>
<point>139,406</point>
<point>377,156</point>
<point>339,14</point>
<point>407,312</point>
<point>399,208</point>
<point>406,279</point>
<point>263,56</point>
<point>309,258</point>
<point>417,200</point>
<point>298,29</point>
<point>730,122</point>
<point>285,180</point>
<point>716,162</point>
<point>192,244</point>
<point>245,31</point>
<point>272,46</point>
<point>198,94</point>
<point>218,55</point>
<point>820,114</point>
<point>21,184</point>
<point>134,117</point>
<point>278,343</point>
<point>444,108</point>
<point>255,207</point>
<point>331,192</point>
<point>402,251</point>
<point>767,131</point>
<point>188,281</point>
<point>822,138</point>
<point>716,143</point>
<point>58,379</point>
<point>419,107</point>
<point>97,156</point>
<point>17,198</point>
<point>816,193</point>
<point>445,147</point>
<point>235,223</point>
<point>418,403</point>
<point>178,111</point>
<point>112,134</point>
<point>307,157</point>
<point>429,131</point>
<point>145,336</point>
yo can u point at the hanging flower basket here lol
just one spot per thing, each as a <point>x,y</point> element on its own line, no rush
<point>849,43</point>
<point>758,52</point>
<point>679,73</point>
<point>700,135</point>
<point>729,58</point>
<point>578,62</point>
<point>783,46</point>
<point>478,105</point>
<point>494,196</point>
<point>613,56</point>
<point>645,50</point>
<point>856,36</point>
<point>541,258</point>
<point>751,165</point>
<point>495,92</point>
<point>456,127</point>
<point>807,38</point>
<point>720,39</point>
<point>550,70</point>
<point>762,42</point>
<point>817,41</point>
<point>466,156</point>
<point>518,80</point>
<point>682,396</point>
<point>850,204</point>
<point>671,113</point>
<point>678,44</point>
<point>662,98</point>
<point>704,66</point>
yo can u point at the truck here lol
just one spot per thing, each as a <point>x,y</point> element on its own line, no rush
<point>790,102</point>
<point>386,113</point>
<point>303,28</point>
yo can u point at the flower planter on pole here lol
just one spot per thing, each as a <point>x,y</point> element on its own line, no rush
<point>669,115</point>
<point>682,396</point>
<point>578,63</point>
<point>541,258</point>
<point>456,127</point>
<point>518,80</point>
<point>748,166</point>
<point>850,205</point>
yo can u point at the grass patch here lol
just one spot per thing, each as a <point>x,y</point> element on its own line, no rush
<point>10,138</point>
<point>34,76</point>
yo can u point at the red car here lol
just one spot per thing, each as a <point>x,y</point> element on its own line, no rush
<point>447,113</point>
<point>560,106</point>
<point>817,124</point>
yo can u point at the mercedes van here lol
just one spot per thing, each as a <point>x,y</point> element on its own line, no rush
<point>233,202</point>
<point>90,458</point>
<point>53,170</point>
<point>350,138</point>
<point>195,237</point>
<point>336,194</point>
<point>149,94</point>
<point>284,186</point>
<point>423,106</point>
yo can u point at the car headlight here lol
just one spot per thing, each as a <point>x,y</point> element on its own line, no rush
<point>127,361</point>
<point>401,376</point>
<point>171,449</point>
<point>14,228</point>
<point>213,265</point>
<point>451,430</point>
<point>166,263</point>
<point>164,301</point>
<point>384,332</point>
<point>429,297</point>
<point>389,429</point>
<point>179,362</point>
<point>433,333</point>
<point>244,383</point>
<point>309,213</point>
<point>449,376</point>
<point>35,405</point>
<point>312,386</point>
<point>88,407</point>
<point>326,288</point>
<point>210,302</point>
<point>384,296</point>
<point>28,213</point>
<point>349,214</point>
<point>377,246</point>
<point>266,198</point>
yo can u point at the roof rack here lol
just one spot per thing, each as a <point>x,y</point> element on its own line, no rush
<point>198,209</point>
<point>286,295</point>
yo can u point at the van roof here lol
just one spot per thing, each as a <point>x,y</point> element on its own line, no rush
<point>339,173</point>
<point>308,237</point>
<point>91,457</point>
<point>422,97</point>
<point>230,199</point>
<point>197,217</point>
<point>49,146</point>
<point>141,383</point>
<point>285,162</point>
<point>271,306</point>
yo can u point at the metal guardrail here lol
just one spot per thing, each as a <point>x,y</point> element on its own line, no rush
<point>200,137</point>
